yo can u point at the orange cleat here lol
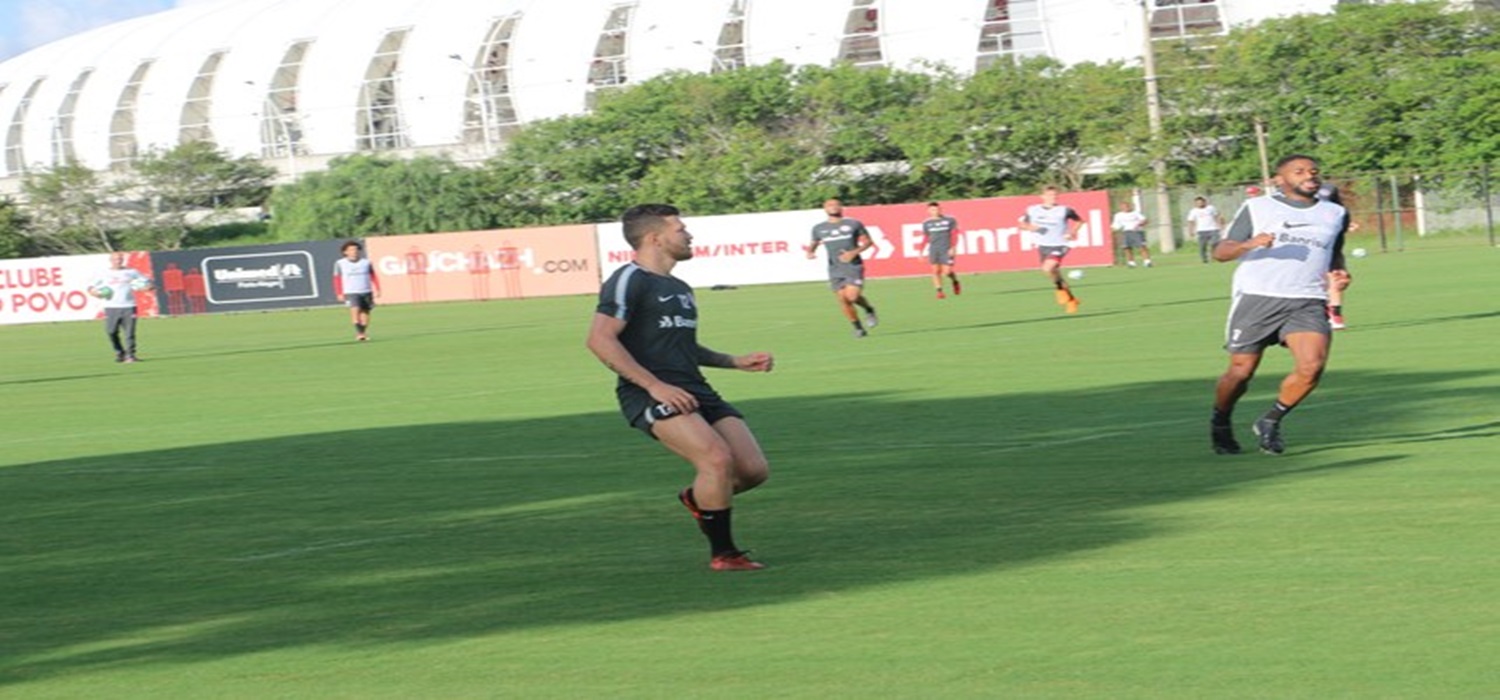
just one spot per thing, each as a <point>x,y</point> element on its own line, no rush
<point>734,561</point>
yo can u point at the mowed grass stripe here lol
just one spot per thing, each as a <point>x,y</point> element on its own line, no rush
<point>984,498</point>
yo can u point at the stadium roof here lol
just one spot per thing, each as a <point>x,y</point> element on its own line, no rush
<point>291,78</point>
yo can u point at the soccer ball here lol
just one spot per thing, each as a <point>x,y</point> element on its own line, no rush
<point>1359,252</point>
<point>103,291</point>
<point>139,283</point>
<point>1075,274</point>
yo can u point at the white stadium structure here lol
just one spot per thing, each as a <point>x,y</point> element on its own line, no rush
<point>297,82</point>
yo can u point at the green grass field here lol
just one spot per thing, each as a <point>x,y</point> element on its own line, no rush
<point>984,498</point>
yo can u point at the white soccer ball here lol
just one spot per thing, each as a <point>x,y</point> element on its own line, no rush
<point>1075,274</point>
<point>1359,252</point>
<point>139,283</point>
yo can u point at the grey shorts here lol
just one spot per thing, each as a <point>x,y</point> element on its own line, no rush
<point>853,276</point>
<point>1051,251</point>
<point>364,301</point>
<point>1257,322</point>
<point>1135,239</point>
<point>940,256</point>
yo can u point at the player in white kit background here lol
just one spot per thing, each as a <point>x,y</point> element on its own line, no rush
<point>356,285</point>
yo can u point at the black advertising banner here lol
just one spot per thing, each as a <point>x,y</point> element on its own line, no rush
<point>248,278</point>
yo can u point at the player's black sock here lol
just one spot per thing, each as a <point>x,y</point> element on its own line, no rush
<point>1060,284</point>
<point>1337,310</point>
<point>359,327</point>
<point>865,305</point>
<point>1278,410</point>
<point>716,526</point>
<point>858,326</point>
<point>1221,417</point>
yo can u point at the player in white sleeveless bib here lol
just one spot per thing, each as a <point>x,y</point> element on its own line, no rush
<point>355,284</point>
<point>1290,247</point>
<point>1055,227</point>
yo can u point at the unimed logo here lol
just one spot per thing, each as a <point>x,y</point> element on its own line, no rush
<point>256,277</point>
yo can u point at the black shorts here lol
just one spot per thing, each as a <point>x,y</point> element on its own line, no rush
<point>1257,322</point>
<point>364,301</point>
<point>635,403</point>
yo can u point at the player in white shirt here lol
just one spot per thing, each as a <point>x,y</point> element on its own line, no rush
<point>1055,226</point>
<point>117,287</point>
<point>1132,227</point>
<point>355,283</point>
<point>1204,220</point>
<point>1289,248</point>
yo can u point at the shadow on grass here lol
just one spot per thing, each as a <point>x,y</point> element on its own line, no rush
<point>438,532</point>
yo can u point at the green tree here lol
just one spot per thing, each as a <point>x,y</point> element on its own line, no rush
<point>14,241</point>
<point>190,187</point>
<point>74,210</point>
<point>373,195</point>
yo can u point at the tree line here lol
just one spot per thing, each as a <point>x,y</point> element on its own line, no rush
<point>1402,86</point>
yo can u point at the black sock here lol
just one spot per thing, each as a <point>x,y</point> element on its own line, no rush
<point>866,306</point>
<point>360,327</point>
<point>1337,310</point>
<point>1060,284</point>
<point>1221,417</point>
<point>1278,410</point>
<point>716,526</point>
<point>858,326</point>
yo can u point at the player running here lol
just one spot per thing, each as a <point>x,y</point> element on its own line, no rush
<point>844,240</point>
<point>1287,247</point>
<point>1055,227</point>
<point>937,234</point>
<point>355,283</point>
<point>645,329</point>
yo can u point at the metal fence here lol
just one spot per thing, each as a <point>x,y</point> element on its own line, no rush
<point>1389,211</point>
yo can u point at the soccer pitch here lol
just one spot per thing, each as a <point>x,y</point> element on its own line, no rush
<point>985,498</point>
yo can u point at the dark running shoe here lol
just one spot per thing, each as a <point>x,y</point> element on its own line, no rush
<point>1223,439</point>
<point>1269,432</point>
<point>734,561</point>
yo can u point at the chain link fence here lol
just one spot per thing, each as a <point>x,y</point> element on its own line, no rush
<point>1390,212</point>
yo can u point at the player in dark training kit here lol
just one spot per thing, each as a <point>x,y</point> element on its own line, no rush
<point>938,232</point>
<point>844,240</point>
<point>646,330</point>
<point>1290,249</point>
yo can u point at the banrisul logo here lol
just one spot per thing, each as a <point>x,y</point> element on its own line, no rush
<point>255,277</point>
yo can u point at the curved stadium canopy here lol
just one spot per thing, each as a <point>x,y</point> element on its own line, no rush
<point>289,78</point>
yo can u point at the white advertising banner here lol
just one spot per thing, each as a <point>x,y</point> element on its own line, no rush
<point>36,290</point>
<point>734,249</point>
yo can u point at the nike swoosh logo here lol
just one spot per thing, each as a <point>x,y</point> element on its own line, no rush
<point>667,298</point>
<point>1288,224</point>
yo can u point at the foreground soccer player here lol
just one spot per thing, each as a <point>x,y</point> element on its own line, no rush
<point>646,330</point>
<point>1287,247</point>
<point>1055,226</point>
<point>845,240</point>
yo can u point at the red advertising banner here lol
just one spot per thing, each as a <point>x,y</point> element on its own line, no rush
<point>988,239</point>
<point>36,290</point>
<point>478,265</point>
